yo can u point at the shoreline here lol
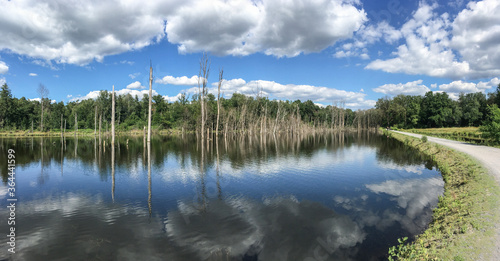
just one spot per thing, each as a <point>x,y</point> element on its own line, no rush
<point>464,221</point>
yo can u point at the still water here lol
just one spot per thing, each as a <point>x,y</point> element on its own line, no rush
<point>315,197</point>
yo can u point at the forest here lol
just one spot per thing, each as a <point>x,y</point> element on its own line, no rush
<point>437,109</point>
<point>241,113</point>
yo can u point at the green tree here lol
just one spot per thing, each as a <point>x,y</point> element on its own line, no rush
<point>438,110</point>
<point>492,127</point>
<point>6,108</point>
<point>472,105</point>
<point>384,106</point>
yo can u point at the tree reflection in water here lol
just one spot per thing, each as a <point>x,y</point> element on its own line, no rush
<point>334,196</point>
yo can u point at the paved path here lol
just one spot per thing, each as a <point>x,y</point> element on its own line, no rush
<point>488,156</point>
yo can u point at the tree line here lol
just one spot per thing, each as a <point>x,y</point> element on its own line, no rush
<point>241,113</point>
<point>238,113</point>
<point>437,109</point>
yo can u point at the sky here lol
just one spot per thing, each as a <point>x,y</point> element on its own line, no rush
<point>350,52</point>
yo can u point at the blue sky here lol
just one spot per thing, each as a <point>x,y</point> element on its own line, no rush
<point>328,51</point>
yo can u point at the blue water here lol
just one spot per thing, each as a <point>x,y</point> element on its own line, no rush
<point>315,197</point>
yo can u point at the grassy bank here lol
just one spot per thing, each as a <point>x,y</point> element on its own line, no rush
<point>467,134</point>
<point>464,220</point>
<point>85,132</point>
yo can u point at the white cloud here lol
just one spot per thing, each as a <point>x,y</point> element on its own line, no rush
<point>172,99</point>
<point>457,87</point>
<point>3,68</point>
<point>94,94</point>
<point>133,75</point>
<point>35,99</point>
<point>364,56</point>
<point>279,28</point>
<point>33,74</point>
<point>183,80</point>
<point>466,47</point>
<point>61,32</point>
<point>2,81</point>
<point>367,35</point>
<point>279,91</point>
<point>274,90</point>
<point>409,88</point>
<point>426,50</point>
<point>135,85</point>
<point>476,34</point>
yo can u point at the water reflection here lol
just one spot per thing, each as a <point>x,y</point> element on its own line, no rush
<point>332,196</point>
<point>275,229</point>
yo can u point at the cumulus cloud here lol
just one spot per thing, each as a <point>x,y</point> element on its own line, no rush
<point>457,87</point>
<point>433,42</point>
<point>3,68</point>
<point>409,88</point>
<point>274,90</point>
<point>293,92</point>
<point>135,85</point>
<point>368,35</point>
<point>183,80</point>
<point>279,28</point>
<point>426,51</point>
<point>94,94</point>
<point>476,34</point>
<point>172,99</point>
<point>33,74</point>
<point>62,32</point>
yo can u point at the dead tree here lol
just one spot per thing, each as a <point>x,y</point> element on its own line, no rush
<point>150,101</point>
<point>113,118</point>
<point>61,126</point>
<point>95,121</point>
<point>202,84</point>
<point>76,123</point>
<point>43,92</point>
<point>221,73</point>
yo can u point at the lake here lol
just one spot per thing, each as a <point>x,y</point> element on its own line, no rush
<point>334,196</point>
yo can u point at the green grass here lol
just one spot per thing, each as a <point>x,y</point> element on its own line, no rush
<point>467,134</point>
<point>464,220</point>
<point>87,132</point>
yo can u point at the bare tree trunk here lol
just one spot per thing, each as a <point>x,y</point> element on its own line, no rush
<point>61,126</point>
<point>76,123</point>
<point>150,101</point>
<point>277,117</point>
<point>100,128</point>
<point>95,121</point>
<point>202,84</point>
<point>221,72</point>
<point>113,118</point>
<point>41,121</point>
<point>265,121</point>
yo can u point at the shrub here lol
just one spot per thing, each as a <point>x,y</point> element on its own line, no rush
<point>424,138</point>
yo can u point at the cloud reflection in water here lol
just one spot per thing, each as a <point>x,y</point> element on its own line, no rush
<point>277,229</point>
